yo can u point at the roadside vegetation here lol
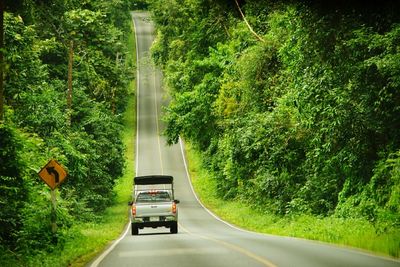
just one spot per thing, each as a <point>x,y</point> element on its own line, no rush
<point>293,109</point>
<point>349,232</point>
<point>84,117</point>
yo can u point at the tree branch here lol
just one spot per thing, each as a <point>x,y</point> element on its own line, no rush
<point>248,25</point>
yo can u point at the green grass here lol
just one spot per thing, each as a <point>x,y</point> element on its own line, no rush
<point>356,233</point>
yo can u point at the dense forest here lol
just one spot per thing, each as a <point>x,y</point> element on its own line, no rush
<point>65,81</point>
<point>294,105</point>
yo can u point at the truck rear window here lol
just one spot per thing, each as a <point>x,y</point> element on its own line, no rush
<point>148,197</point>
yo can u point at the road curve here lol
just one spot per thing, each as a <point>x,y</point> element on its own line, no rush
<point>203,239</point>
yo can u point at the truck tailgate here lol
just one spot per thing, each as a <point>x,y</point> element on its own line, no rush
<point>153,209</point>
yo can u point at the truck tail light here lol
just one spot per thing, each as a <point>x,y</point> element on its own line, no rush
<point>174,207</point>
<point>133,210</point>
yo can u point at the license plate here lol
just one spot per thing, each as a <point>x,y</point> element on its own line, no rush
<point>154,219</point>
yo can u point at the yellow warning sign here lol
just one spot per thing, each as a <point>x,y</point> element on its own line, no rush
<point>53,174</point>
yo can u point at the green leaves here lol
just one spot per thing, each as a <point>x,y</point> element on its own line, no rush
<point>35,128</point>
<point>12,189</point>
<point>191,114</point>
<point>85,24</point>
<point>297,123</point>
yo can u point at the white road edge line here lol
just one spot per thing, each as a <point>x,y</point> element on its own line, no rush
<point>127,227</point>
<point>236,248</point>
<point>197,198</point>
<point>105,253</point>
<point>353,249</point>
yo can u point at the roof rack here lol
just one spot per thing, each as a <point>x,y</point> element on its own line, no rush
<point>153,179</point>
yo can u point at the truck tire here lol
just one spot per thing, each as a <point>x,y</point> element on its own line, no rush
<point>174,228</point>
<point>134,229</point>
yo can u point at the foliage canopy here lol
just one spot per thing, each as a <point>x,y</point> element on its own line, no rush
<point>305,121</point>
<point>37,124</point>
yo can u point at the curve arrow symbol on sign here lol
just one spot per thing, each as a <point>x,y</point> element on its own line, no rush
<point>52,171</point>
<point>53,174</point>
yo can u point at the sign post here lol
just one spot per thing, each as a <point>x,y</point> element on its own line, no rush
<point>53,174</point>
<point>53,211</point>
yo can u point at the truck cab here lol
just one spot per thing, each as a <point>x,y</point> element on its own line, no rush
<point>153,203</point>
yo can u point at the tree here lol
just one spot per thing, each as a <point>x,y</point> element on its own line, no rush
<point>12,187</point>
<point>298,122</point>
<point>37,37</point>
<point>1,60</point>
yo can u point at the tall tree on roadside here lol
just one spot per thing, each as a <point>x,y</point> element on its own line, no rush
<point>80,26</point>
<point>1,58</point>
<point>10,5</point>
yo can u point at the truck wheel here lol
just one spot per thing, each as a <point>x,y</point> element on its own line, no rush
<point>174,228</point>
<point>134,229</point>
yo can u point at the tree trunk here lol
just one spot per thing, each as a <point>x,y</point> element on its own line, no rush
<point>113,89</point>
<point>1,60</point>
<point>69,93</point>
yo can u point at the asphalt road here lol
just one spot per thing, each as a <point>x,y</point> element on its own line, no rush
<point>203,240</point>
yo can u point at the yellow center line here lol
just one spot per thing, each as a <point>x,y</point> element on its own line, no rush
<point>236,248</point>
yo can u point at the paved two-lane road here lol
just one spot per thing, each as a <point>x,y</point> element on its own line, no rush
<point>202,240</point>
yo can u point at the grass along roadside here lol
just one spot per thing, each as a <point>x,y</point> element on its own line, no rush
<point>355,233</point>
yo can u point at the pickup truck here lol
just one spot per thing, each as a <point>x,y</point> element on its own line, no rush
<point>154,204</point>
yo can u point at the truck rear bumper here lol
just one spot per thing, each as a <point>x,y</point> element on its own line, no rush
<point>154,224</point>
<point>154,221</point>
